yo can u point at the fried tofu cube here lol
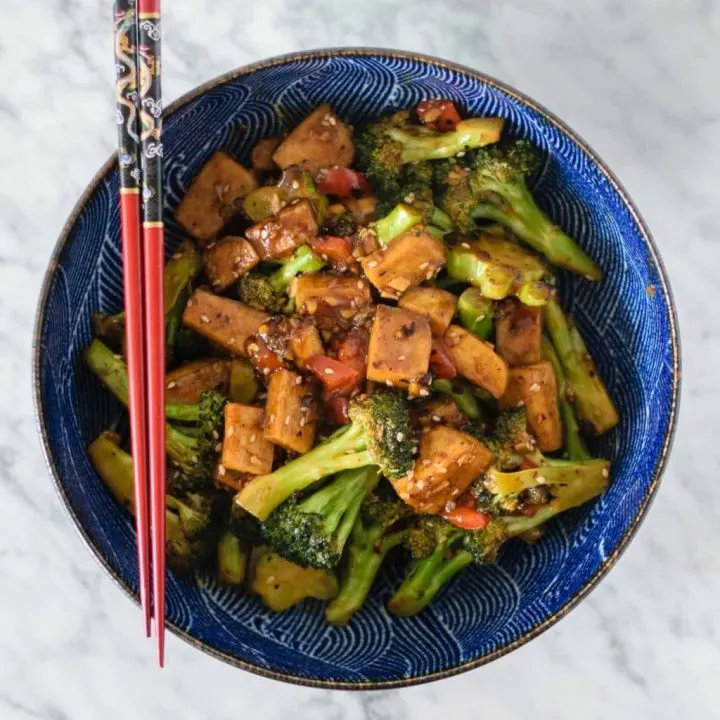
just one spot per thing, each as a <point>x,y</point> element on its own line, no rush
<point>305,341</point>
<point>448,461</point>
<point>230,479</point>
<point>227,260</point>
<point>535,387</point>
<point>291,411</point>
<point>261,155</point>
<point>476,360</point>
<point>333,301</point>
<point>227,322</point>
<point>400,344</point>
<point>407,261</point>
<point>245,448</point>
<point>437,305</point>
<point>277,237</point>
<point>441,411</point>
<point>214,196</point>
<point>518,331</point>
<point>185,385</point>
<point>321,140</point>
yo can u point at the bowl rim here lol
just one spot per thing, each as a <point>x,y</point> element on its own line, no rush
<point>642,509</point>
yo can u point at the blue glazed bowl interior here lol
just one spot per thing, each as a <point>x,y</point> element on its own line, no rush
<point>627,321</point>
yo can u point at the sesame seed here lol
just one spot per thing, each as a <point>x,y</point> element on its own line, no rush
<point>521,404</point>
<point>298,380</point>
<point>302,422</point>
<point>329,371</point>
<point>410,198</point>
<point>215,434</point>
<point>270,579</point>
<point>424,392</point>
<point>253,437</point>
<point>272,418</point>
<point>535,387</point>
<point>218,448</point>
<point>460,154</point>
<point>389,383</point>
<point>332,120</point>
<point>177,255</point>
<point>230,431</point>
<point>420,484</point>
<point>465,245</point>
<point>264,233</point>
<point>436,418</point>
<point>360,285</point>
<point>401,357</point>
<point>266,371</point>
<point>449,506</point>
<point>204,319</point>
<point>372,263</point>
<point>605,472</point>
<point>425,264</point>
<point>441,469</point>
<point>540,480</point>
<point>221,470</point>
<point>400,437</point>
<point>231,341</point>
<point>426,461</point>
<point>296,185</point>
<point>254,460</point>
<point>171,385</point>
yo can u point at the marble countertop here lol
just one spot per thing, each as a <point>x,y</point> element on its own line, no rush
<point>639,82</point>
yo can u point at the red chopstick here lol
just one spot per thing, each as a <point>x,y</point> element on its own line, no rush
<point>143,277</point>
<point>128,155</point>
<point>150,107</point>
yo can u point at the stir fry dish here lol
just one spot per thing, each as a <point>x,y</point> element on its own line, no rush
<point>367,357</point>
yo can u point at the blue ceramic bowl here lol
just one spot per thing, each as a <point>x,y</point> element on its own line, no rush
<point>628,320</point>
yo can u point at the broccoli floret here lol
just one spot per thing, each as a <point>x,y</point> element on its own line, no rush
<point>440,550</point>
<point>313,531</point>
<point>191,521</point>
<point>268,292</point>
<point>393,153</point>
<point>498,266</point>
<point>538,485</point>
<point>494,188</point>
<point>398,221</point>
<point>191,448</point>
<point>590,397</point>
<point>380,433</point>
<point>379,527</point>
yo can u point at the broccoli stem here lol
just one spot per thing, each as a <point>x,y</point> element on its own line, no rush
<point>476,313</point>
<point>590,396</point>
<point>398,221</point>
<point>112,372</point>
<point>365,554</point>
<point>582,489</point>
<point>422,144</point>
<point>575,447</point>
<point>518,210</point>
<point>115,468</point>
<point>346,449</point>
<point>232,559</point>
<point>426,577</point>
<point>304,260</point>
<point>182,413</point>
<point>464,400</point>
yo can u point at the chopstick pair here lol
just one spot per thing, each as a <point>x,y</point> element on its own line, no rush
<point>140,151</point>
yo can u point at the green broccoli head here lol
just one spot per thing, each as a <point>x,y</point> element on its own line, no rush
<point>509,439</point>
<point>428,533</point>
<point>193,449</point>
<point>313,531</point>
<point>387,427</point>
<point>256,290</point>
<point>484,544</point>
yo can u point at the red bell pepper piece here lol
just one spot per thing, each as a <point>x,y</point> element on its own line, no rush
<point>344,183</point>
<point>467,518</point>
<point>441,115</point>
<point>333,374</point>
<point>338,250</point>
<point>441,362</point>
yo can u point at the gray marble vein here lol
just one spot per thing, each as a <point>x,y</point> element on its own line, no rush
<point>639,81</point>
